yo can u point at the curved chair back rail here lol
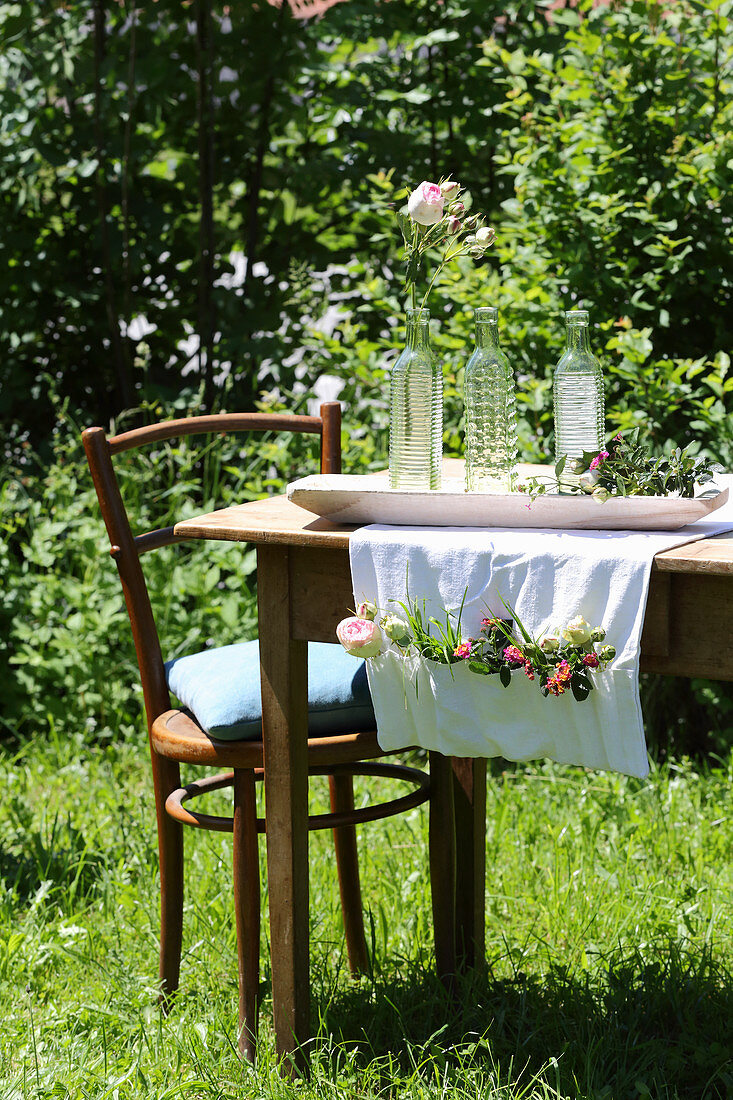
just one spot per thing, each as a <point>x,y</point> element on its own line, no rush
<point>126,548</point>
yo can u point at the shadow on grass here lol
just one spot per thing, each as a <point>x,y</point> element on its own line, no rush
<point>658,1025</point>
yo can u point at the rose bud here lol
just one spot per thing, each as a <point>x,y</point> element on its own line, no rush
<point>366,610</point>
<point>453,225</point>
<point>600,495</point>
<point>607,653</point>
<point>396,629</point>
<point>485,236</point>
<point>449,189</point>
<point>597,634</point>
<point>456,208</point>
<point>425,204</point>
<point>588,480</point>
<point>550,643</point>
<point>360,637</point>
<point>471,238</point>
<point>577,631</point>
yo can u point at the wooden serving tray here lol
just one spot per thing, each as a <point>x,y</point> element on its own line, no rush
<point>366,498</point>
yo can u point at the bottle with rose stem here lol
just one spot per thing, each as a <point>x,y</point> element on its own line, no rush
<point>416,410</point>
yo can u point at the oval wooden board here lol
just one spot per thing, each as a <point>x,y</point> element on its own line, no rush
<point>355,498</point>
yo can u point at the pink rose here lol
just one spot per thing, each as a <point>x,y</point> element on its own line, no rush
<point>425,204</point>
<point>360,637</point>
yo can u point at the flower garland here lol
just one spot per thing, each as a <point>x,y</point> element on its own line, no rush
<point>561,660</point>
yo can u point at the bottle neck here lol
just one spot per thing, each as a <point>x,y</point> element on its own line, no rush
<point>487,334</point>
<point>577,338</point>
<point>418,335</point>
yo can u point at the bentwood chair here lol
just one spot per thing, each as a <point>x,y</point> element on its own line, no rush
<point>220,721</point>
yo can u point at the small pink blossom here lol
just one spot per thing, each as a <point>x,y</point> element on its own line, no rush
<point>513,655</point>
<point>462,650</point>
<point>599,459</point>
<point>360,637</point>
<point>529,669</point>
<point>591,660</point>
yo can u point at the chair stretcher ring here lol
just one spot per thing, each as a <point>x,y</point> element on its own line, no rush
<point>175,802</point>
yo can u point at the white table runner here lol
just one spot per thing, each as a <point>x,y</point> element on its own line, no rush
<point>549,577</point>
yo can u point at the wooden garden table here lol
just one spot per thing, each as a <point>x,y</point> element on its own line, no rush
<point>304,590</point>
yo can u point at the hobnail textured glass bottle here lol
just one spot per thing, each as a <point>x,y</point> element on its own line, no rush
<point>416,410</point>
<point>577,397</point>
<point>490,408</point>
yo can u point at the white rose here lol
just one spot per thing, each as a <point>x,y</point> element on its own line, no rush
<point>577,631</point>
<point>425,204</point>
<point>550,643</point>
<point>449,189</point>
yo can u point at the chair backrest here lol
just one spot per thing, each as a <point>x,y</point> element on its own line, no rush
<point>126,548</point>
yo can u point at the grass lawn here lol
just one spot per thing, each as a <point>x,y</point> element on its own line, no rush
<point>609,945</point>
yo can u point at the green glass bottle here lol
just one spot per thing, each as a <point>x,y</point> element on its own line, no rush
<point>490,409</point>
<point>577,397</point>
<point>416,410</point>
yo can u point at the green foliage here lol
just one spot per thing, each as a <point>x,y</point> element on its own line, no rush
<point>597,139</point>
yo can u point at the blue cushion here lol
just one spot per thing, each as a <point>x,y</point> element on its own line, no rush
<point>221,688</point>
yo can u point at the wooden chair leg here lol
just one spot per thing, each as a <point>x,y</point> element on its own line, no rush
<point>347,862</point>
<point>443,867</point>
<point>167,778</point>
<point>247,907</point>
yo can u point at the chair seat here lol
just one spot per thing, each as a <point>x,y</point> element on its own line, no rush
<point>221,689</point>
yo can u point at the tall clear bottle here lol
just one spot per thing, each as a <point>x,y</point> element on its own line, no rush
<point>577,397</point>
<point>416,410</point>
<point>490,409</point>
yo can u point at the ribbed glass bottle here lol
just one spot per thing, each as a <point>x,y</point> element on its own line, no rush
<point>490,409</point>
<point>577,397</point>
<point>416,410</point>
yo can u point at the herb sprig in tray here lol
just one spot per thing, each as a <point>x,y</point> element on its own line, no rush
<point>626,468</point>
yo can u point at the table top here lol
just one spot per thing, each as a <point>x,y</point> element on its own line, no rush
<point>276,520</point>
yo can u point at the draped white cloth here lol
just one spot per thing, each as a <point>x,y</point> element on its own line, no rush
<point>548,577</point>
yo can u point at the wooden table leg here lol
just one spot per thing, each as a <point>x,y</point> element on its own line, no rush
<point>469,791</point>
<point>284,674</point>
<point>442,843</point>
